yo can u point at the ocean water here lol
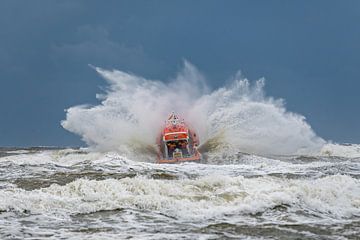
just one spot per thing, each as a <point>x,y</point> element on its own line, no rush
<point>265,173</point>
<point>83,194</point>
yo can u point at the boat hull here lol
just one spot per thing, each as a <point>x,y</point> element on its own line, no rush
<point>195,158</point>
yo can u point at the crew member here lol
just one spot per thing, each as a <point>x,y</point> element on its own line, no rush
<point>183,146</point>
<point>171,147</point>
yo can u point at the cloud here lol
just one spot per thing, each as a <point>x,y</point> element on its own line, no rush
<point>93,45</point>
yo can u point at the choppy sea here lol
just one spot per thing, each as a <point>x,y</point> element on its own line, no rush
<point>50,193</point>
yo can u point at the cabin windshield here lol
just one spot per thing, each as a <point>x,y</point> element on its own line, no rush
<point>179,145</point>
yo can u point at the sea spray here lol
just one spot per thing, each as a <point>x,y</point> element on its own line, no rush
<point>132,110</point>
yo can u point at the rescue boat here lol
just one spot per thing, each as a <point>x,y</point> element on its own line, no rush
<point>177,142</point>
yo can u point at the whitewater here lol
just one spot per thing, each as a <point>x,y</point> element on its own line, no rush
<point>265,173</point>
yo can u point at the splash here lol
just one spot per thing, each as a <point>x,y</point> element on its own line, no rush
<point>238,117</point>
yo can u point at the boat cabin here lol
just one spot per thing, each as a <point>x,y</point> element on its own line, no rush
<point>177,142</point>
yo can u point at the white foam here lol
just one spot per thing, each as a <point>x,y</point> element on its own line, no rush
<point>133,108</point>
<point>20,151</point>
<point>334,197</point>
<point>66,157</point>
<point>229,165</point>
<point>339,150</point>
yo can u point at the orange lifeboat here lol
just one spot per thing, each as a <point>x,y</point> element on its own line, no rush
<point>177,142</point>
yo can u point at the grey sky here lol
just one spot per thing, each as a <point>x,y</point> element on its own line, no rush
<point>308,51</point>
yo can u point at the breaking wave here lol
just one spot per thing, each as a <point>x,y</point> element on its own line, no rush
<point>204,198</point>
<point>236,117</point>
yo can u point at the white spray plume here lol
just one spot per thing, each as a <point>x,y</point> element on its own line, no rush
<point>133,109</point>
